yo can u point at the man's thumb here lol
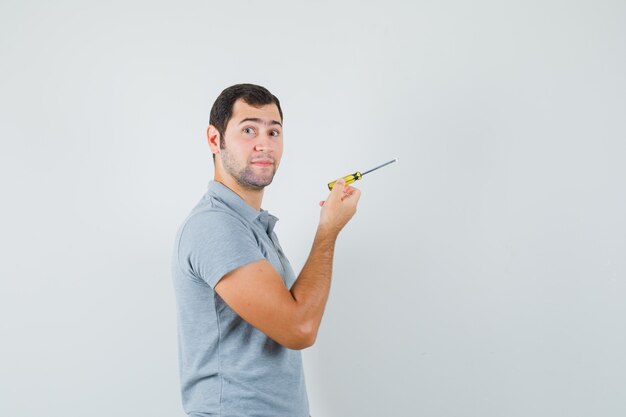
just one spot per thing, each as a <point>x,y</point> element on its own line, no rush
<point>338,188</point>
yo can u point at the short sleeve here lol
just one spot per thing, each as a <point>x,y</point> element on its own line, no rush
<point>214,243</point>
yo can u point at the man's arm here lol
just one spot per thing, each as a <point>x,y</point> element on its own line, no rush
<point>257,293</point>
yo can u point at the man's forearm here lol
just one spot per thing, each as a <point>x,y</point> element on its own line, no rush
<point>310,291</point>
<point>313,284</point>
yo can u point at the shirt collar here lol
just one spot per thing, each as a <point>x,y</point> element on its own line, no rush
<point>237,204</point>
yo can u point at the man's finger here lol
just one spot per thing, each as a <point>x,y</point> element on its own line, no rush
<point>346,192</point>
<point>352,194</point>
<point>338,189</point>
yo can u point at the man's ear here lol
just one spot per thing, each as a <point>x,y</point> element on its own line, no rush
<point>214,138</point>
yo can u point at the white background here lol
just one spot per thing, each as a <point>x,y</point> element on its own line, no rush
<point>484,274</point>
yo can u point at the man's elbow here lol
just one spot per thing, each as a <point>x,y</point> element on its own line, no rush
<point>302,337</point>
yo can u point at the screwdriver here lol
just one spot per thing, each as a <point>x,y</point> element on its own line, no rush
<point>349,179</point>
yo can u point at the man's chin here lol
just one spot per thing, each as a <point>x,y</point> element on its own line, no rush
<point>256,183</point>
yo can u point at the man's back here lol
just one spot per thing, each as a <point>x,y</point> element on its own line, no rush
<point>228,367</point>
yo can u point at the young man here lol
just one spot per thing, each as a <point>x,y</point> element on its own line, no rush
<point>243,317</point>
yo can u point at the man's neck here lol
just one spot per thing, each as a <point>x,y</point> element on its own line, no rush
<point>253,198</point>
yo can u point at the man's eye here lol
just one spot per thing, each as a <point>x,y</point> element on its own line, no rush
<point>248,130</point>
<point>275,133</point>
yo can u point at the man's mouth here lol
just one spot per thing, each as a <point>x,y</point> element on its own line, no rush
<point>263,162</point>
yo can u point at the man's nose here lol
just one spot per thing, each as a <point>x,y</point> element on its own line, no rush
<point>264,143</point>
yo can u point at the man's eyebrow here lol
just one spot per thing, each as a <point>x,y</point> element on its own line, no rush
<point>261,121</point>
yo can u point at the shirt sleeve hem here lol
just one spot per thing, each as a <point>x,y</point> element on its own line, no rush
<point>218,274</point>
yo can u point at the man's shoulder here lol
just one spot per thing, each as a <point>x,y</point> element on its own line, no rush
<point>212,241</point>
<point>214,218</point>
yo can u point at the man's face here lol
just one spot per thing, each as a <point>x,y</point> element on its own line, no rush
<point>253,144</point>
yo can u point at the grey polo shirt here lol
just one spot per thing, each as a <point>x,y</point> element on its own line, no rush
<point>227,367</point>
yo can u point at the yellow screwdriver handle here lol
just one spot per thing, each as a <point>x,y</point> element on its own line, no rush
<point>349,179</point>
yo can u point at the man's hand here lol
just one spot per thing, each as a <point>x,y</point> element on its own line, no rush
<point>339,208</point>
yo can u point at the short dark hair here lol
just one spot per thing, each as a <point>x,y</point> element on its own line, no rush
<point>252,94</point>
